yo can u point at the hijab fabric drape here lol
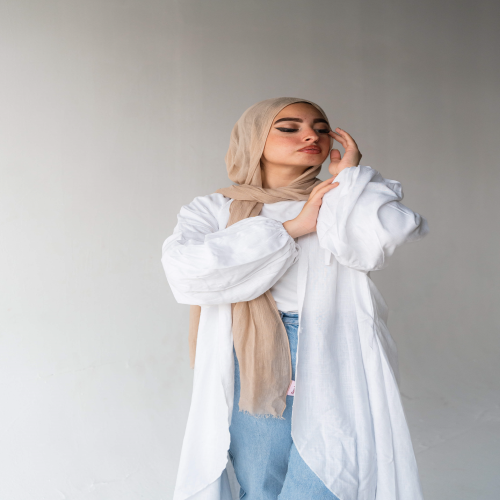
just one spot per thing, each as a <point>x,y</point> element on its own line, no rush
<point>259,335</point>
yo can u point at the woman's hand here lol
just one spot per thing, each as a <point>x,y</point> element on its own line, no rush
<point>352,156</point>
<point>305,222</point>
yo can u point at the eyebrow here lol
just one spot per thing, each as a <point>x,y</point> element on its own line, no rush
<point>316,120</point>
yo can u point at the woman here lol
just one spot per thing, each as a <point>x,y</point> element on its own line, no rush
<point>295,391</point>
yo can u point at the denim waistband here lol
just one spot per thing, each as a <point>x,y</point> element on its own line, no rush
<point>289,316</point>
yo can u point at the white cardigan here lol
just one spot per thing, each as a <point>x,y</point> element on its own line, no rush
<point>348,422</point>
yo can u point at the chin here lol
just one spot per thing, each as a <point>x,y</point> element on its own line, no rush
<point>305,165</point>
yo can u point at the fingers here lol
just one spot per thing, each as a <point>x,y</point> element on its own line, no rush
<point>344,138</point>
<point>337,136</point>
<point>325,183</point>
<point>322,185</point>
<point>335,154</point>
<point>324,188</point>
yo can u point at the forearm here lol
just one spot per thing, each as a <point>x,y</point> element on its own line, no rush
<point>236,264</point>
<point>295,228</point>
<point>363,222</point>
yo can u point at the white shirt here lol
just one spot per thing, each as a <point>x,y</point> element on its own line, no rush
<point>284,291</point>
<point>348,422</point>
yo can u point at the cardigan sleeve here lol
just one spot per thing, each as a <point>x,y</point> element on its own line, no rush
<point>208,266</point>
<point>361,222</point>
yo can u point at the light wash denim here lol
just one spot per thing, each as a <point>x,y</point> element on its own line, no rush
<point>265,459</point>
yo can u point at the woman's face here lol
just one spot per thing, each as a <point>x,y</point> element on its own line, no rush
<point>298,137</point>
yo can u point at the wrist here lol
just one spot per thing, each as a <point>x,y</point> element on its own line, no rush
<point>339,170</point>
<point>294,229</point>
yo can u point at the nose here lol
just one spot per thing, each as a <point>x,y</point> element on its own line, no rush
<point>311,135</point>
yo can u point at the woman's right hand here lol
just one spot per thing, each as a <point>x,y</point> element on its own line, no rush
<point>305,222</point>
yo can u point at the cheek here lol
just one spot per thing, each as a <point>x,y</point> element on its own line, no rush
<point>278,147</point>
<point>325,141</point>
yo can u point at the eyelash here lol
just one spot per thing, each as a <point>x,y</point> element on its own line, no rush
<point>283,129</point>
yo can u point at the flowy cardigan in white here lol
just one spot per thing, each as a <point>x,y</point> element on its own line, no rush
<point>348,422</point>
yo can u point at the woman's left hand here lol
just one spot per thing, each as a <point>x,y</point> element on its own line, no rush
<point>352,156</point>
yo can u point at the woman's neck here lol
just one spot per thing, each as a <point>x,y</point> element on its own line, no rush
<point>280,176</point>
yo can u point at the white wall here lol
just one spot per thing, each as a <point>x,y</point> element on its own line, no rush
<point>114,114</point>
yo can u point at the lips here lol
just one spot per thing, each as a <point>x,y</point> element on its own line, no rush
<point>311,150</point>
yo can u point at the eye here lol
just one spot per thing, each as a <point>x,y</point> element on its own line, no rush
<point>320,131</point>
<point>283,129</point>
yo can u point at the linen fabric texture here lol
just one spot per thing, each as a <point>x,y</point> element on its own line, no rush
<point>260,338</point>
<point>348,420</point>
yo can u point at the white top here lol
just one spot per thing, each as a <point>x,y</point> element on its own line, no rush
<point>284,291</point>
<point>348,422</point>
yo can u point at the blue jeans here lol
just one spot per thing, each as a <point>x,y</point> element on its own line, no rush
<point>264,457</point>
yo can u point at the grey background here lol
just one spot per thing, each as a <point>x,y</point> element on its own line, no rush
<point>114,114</point>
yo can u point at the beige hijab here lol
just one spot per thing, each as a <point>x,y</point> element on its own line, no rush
<point>260,338</point>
